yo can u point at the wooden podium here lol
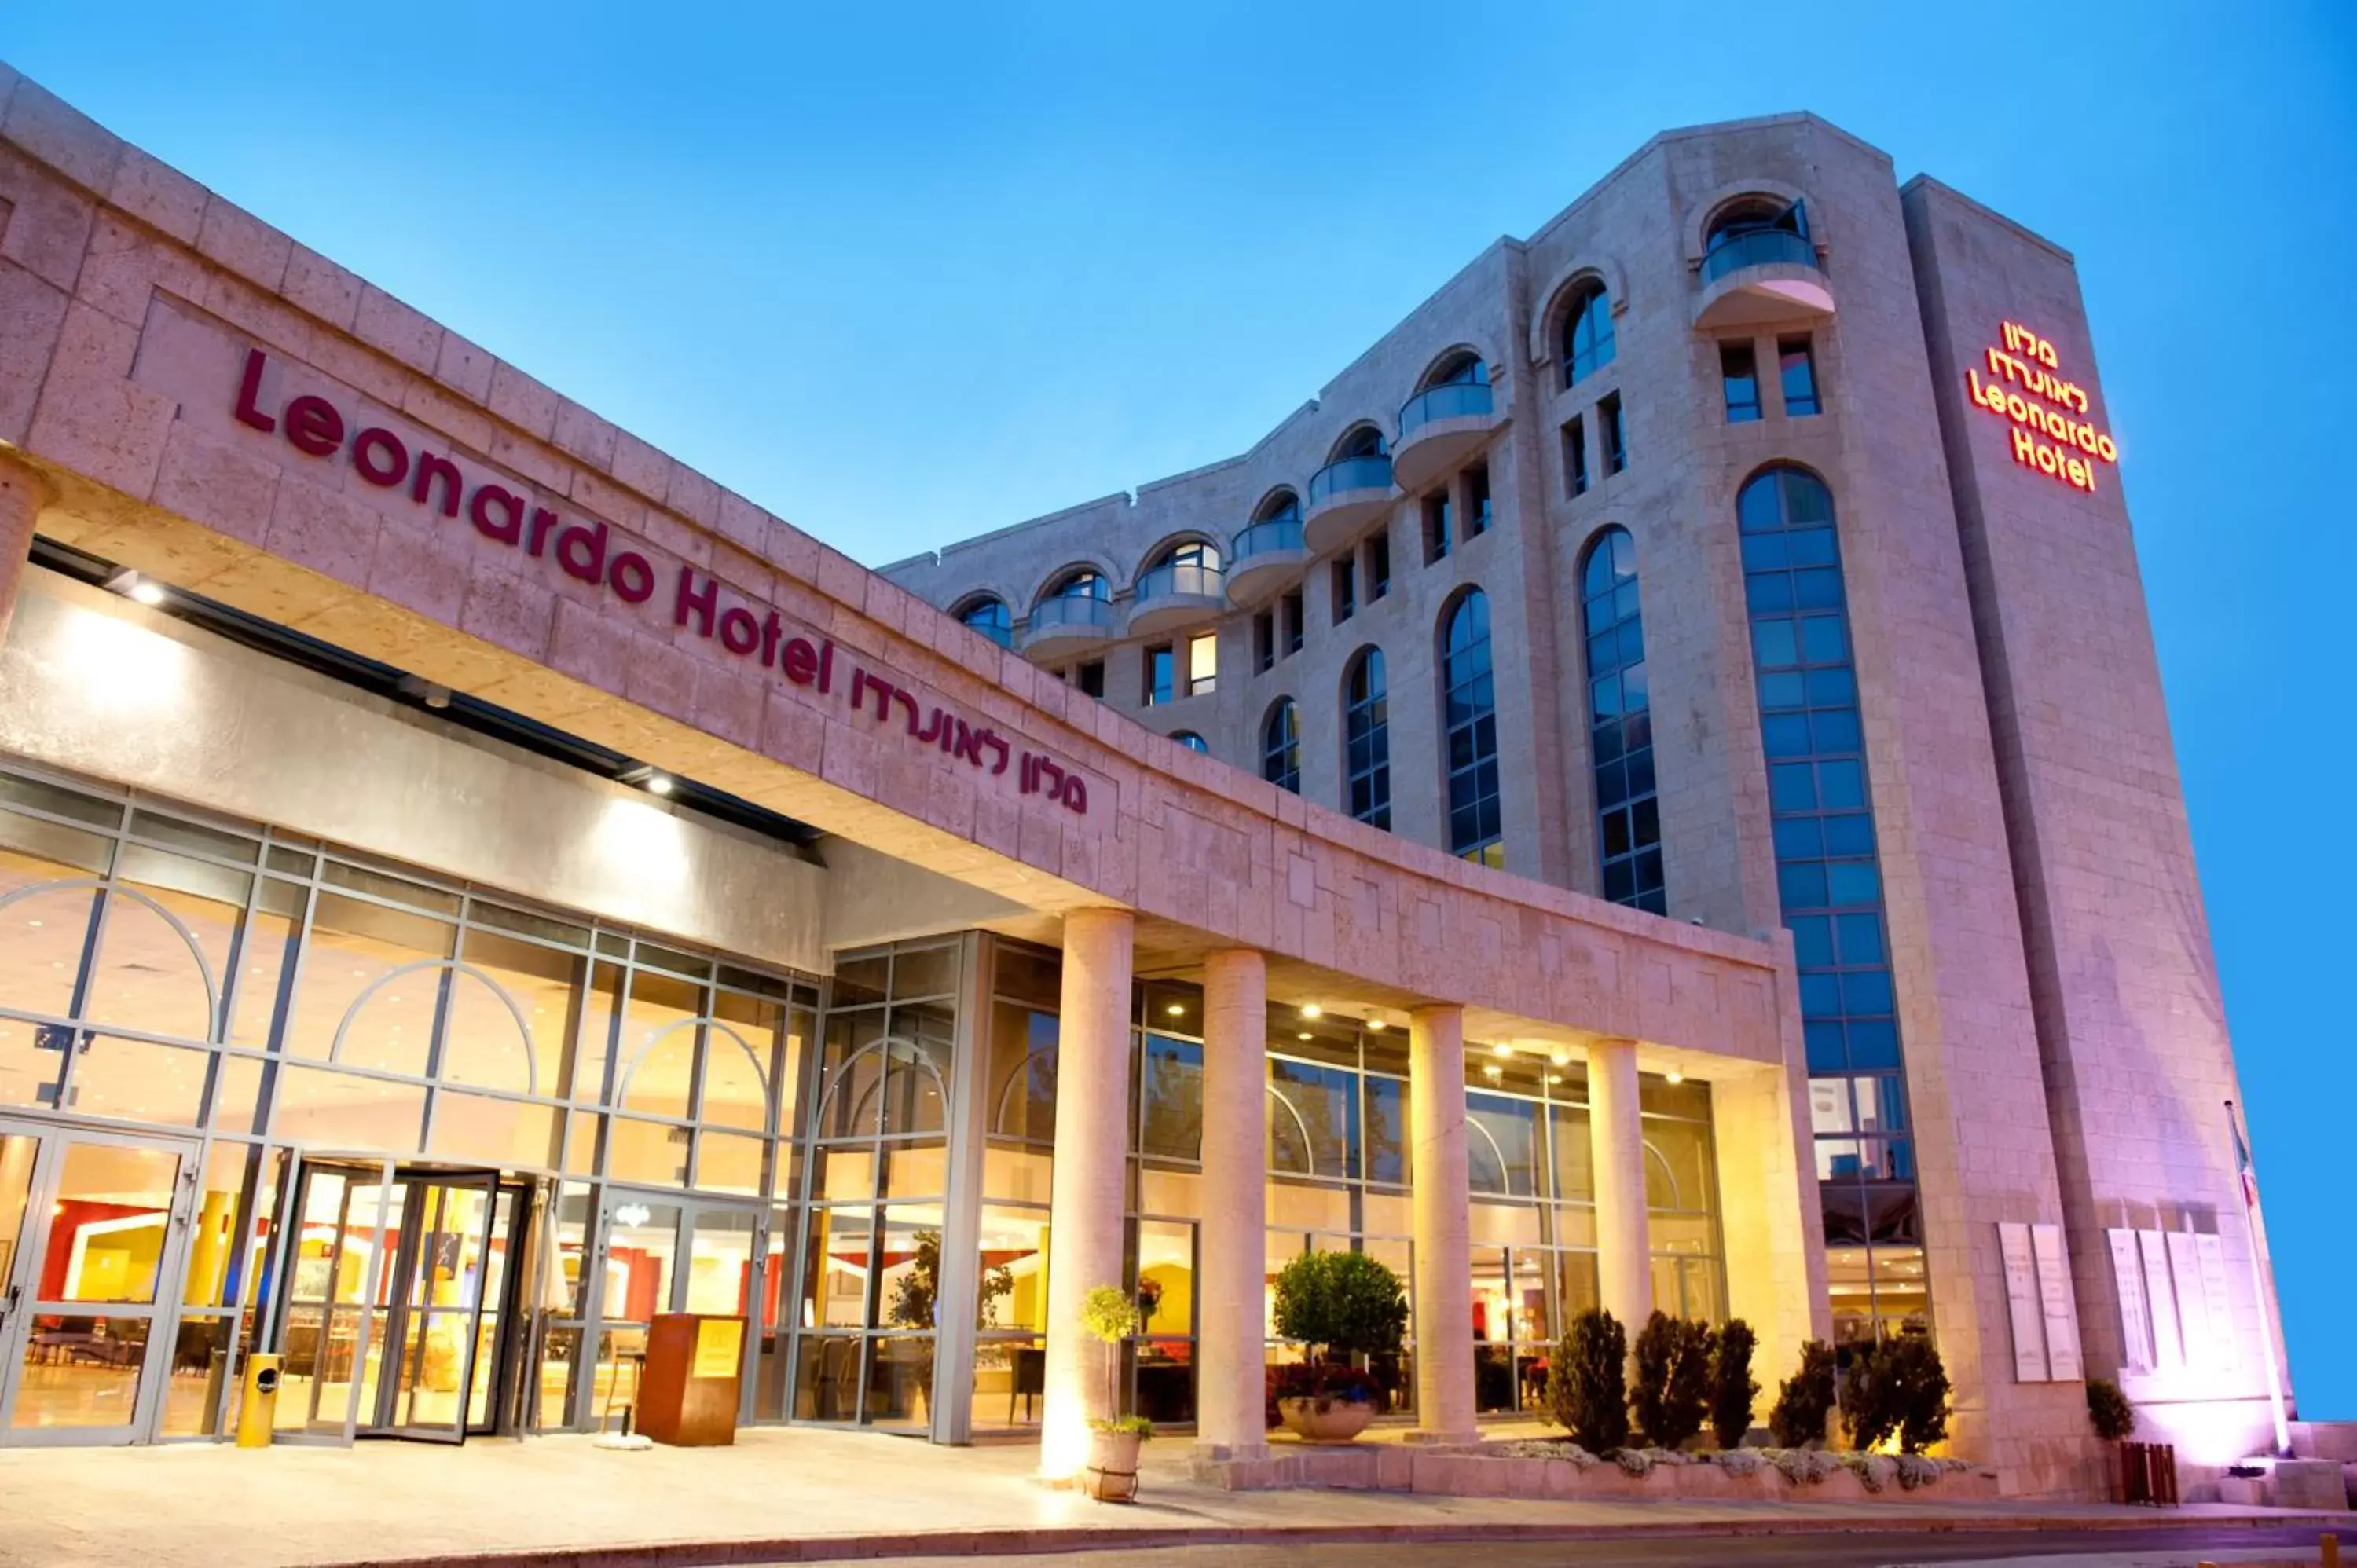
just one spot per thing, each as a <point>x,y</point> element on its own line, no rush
<point>688,1393</point>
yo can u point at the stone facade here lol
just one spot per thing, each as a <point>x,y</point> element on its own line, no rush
<point>2066,1056</point>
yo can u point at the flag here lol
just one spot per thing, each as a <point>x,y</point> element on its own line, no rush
<point>2243,1172</point>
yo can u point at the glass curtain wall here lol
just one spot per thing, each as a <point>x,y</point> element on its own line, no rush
<point>233,992</point>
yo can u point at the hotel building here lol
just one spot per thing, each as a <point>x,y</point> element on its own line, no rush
<point>1651,791</point>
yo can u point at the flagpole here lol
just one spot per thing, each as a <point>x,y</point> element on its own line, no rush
<point>2247,1178</point>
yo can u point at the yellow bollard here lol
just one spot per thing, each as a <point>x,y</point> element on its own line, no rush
<point>2331,1545</point>
<point>258,1408</point>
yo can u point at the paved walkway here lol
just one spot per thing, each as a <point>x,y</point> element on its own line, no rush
<point>795,1495</point>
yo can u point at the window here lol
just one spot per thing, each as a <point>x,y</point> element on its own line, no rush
<point>1291,618</point>
<point>1796,367</point>
<point>1091,676</point>
<point>1608,425</point>
<point>1620,724</point>
<point>1367,741</point>
<point>1161,668</point>
<point>1379,566</point>
<point>1346,589</point>
<point>1080,584</point>
<point>1202,663</point>
<point>1280,746</point>
<point>1436,527</point>
<point>1828,873</point>
<point>1264,642</point>
<point>1477,501</point>
<point>1192,741</point>
<point>1739,372</point>
<point>1756,231</point>
<point>1588,345</point>
<point>1470,710</point>
<point>1575,458</point>
<point>1192,567</point>
<point>987,614</point>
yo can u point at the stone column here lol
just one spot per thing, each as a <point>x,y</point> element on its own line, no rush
<point>1231,1288</point>
<point>23,493</point>
<point>1443,1259</point>
<point>1085,1195</point>
<point>1616,1135</point>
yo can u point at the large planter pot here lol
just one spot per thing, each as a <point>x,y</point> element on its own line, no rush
<point>1323,1418</point>
<point>1111,1474</point>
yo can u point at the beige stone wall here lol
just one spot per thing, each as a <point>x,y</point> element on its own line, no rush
<point>2138,1065</point>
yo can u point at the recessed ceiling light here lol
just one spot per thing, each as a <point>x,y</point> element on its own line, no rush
<point>659,783</point>
<point>1311,1010</point>
<point>1503,1048</point>
<point>1374,1026</point>
<point>1306,1034</point>
<point>1177,1009</point>
<point>1675,1075</point>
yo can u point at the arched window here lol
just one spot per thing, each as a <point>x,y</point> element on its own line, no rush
<point>1620,724</point>
<point>1469,709</point>
<point>1363,441</point>
<point>1588,342</point>
<point>1463,368</point>
<point>1079,583</point>
<point>1189,566</point>
<point>986,613</point>
<point>1192,741</point>
<point>1282,506</point>
<point>1754,230</point>
<point>1367,741</point>
<point>1828,874</point>
<point>1280,746</point>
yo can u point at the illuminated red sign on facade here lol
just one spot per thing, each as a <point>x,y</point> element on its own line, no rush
<point>587,553</point>
<point>2051,429</point>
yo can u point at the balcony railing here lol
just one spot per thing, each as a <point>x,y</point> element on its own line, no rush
<point>1181,577</point>
<point>1450,399</point>
<point>1369,473</point>
<point>1756,249</point>
<point>1267,538</point>
<point>1072,609</point>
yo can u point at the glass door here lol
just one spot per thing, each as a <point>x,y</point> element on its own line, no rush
<point>89,1224</point>
<point>671,1254</point>
<point>346,1226</point>
<point>441,1278</point>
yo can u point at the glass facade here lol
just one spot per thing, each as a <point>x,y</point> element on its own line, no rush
<point>1830,884</point>
<point>349,1083</point>
<point>1620,724</point>
<point>1470,712</point>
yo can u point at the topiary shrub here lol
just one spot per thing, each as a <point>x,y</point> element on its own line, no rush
<point>2108,1411</point>
<point>1339,1306</point>
<point>1897,1388</point>
<point>1804,1398</point>
<point>1672,1393</point>
<point>1732,1390</point>
<point>1587,1388</point>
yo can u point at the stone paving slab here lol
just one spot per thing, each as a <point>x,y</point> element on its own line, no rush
<point>781,1496</point>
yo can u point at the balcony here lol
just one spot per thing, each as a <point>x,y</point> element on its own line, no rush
<point>1177,594</point>
<point>1765,276</point>
<point>1062,627</point>
<point>1439,427</point>
<point>1263,558</point>
<point>1344,498</point>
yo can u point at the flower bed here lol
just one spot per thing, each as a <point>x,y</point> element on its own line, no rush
<point>1563,1471</point>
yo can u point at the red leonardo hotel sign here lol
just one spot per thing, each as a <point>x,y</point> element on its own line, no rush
<point>2052,432</point>
<point>587,553</point>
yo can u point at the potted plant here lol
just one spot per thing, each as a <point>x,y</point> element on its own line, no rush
<point>1339,1306</point>
<point>1109,1316</point>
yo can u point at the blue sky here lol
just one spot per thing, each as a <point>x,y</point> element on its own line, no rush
<point>901,275</point>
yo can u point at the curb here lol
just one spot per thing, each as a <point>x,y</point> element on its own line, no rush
<point>1047,1540</point>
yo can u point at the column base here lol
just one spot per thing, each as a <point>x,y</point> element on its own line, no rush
<point>1223,1453</point>
<point>1426,1437</point>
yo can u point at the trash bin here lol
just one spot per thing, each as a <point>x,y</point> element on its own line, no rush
<point>257,1409</point>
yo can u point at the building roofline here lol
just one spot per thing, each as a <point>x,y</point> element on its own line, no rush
<point>1929,182</point>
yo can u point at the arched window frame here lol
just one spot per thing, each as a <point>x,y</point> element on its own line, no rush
<point>1589,339</point>
<point>1366,739</point>
<point>1620,724</point>
<point>989,615</point>
<point>1280,746</point>
<point>1468,709</point>
<point>1191,741</point>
